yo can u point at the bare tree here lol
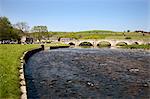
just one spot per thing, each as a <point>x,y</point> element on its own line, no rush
<point>23,26</point>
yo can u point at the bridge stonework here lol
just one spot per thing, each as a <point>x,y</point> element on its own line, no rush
<point>111,41</point>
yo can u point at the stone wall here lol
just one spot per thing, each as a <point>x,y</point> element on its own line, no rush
<point>55,47</point>
<point>24,59</point>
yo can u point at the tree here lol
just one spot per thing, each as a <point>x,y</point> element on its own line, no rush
<point>5,28</point>
<point>128,30</point>
<point>7,32</point>
<point>23,26</point>
<point>40,29</point>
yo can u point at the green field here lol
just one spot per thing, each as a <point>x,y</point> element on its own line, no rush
<point>93,34</point>
<point>9,63</point>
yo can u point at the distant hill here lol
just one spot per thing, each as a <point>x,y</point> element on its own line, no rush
<point>98,31</point>
<point>91,34</point>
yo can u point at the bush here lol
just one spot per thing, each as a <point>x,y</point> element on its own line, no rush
<point>104,44</point>
<point>127,37</point>
<point>121,44</point>
<point>71,43</point>
<point>85,44</point>
<point>143,46</point>
<point>135,43</point>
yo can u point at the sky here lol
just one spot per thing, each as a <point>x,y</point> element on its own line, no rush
<point>79,15</point>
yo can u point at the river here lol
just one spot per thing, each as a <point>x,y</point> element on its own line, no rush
<point>78,73</point>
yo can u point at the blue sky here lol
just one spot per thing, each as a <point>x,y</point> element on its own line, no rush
<point>76,15</point>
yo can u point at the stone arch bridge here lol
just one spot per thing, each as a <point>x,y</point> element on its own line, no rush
<point>111,41</point>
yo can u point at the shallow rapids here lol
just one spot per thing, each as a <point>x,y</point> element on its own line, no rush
<point>76,73</point>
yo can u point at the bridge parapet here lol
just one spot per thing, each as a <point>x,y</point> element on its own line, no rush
<point>113,42</point>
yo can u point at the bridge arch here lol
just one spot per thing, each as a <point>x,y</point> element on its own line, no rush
<point>85,43</point>
<point>111,41</point>
<point>104,44</point>
<point>121,43</point>
<point>71,43</point>
<point>135,43</point>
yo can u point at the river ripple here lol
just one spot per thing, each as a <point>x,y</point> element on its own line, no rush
<point>88,74</point>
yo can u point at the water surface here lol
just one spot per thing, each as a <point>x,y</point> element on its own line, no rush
<point>76,73</point>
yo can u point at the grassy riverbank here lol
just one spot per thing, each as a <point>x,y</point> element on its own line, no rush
<point>55,44</point>
<point>137,46</point>
<point>9,72</point>
<point>9,75</point>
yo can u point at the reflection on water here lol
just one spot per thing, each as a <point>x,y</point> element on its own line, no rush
<point>76,73</point>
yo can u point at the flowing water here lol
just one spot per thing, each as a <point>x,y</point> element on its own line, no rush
<point>76,73</point>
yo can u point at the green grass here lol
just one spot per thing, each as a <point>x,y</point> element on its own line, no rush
<point>9,63</point>
<point>134,46</point>
<point>94,34</point>
<point>55,44</point>
<point>9,75</point>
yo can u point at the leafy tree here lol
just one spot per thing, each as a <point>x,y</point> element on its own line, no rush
<point>5,28</point>
<point>7,32</point>
<point>40,29</point>
<point>128,30</point>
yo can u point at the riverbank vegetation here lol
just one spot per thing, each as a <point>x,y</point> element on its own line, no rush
<point>135,46</point>
<point>9,75</point>
<point>99,34</point>
<point>9,63</point>
<point>55,44</point>
<point>121,44</point>
<point>104,44</point>
<point>7,31</point>
<point>85,44</point>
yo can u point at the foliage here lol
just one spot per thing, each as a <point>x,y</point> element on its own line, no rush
<point>91,35</point>
<point>85,44</point>
<point>7,32</point>
<point>41,32</point>
<point>96,31</point>
<point>121,44</point>
<point>104,44</point>
<point>134,46</point>
<point>55,44</point>
<point>39,29</point>
<point>127,37</point>
<point>128,30</point>
<point>9,63</point>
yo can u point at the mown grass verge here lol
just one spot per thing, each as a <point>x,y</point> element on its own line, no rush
<point>9,63</point>
<point>9,74</point>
